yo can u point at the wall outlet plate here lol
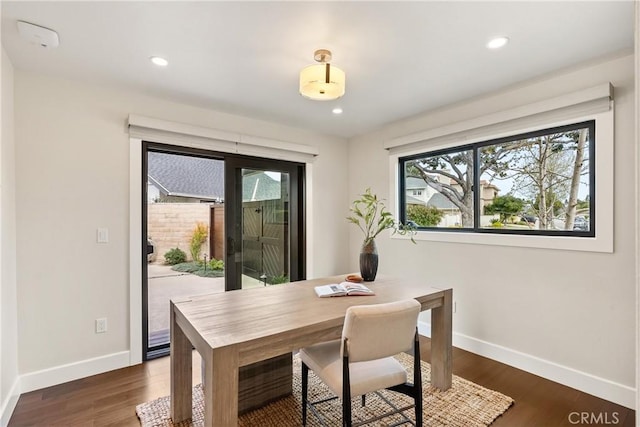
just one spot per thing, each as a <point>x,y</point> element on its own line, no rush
<point>101,325</point>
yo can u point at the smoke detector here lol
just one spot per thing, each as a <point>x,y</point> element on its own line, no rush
<point>36,34</point>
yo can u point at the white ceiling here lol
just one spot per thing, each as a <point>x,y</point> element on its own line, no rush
<point>401,58</point>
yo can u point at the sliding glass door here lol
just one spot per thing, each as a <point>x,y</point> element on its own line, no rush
<point>214,222</point>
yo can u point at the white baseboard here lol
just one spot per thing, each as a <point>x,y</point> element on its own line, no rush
<point>73,371</point>
<point>585,382</point>
<point>9,403</point>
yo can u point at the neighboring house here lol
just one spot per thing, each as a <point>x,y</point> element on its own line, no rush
<point>488,192</point>
<point>442,203</point>
<point>410,200</point>
<point>418,189</point>
<point>452,216</point>
<point>184,179</point>
<point>418,192</point>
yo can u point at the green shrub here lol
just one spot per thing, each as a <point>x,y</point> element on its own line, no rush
<point>496,223</point>
<point>198,238</point>
<point>276,280</point>
<point>198,269</point>
<point>216,264</point>
<point>187,267</point>
<point>425,216</point>
<point>209,273</point>
<point>505,206</point>
<point>175,256</point>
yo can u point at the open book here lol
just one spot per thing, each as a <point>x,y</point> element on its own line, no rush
<point>342,289</point>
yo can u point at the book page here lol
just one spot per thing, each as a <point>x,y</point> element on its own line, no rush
<point>357,289</point>
<point>332,290</point>
<point>342,289</point>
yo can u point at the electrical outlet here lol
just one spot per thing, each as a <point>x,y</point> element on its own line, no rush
<point>101,325</point>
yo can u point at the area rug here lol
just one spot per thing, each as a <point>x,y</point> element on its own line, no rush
<point>465,404</point>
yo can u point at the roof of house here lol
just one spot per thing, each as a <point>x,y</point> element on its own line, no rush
<point>260,186</point>
<point>441,202</point>
<point>410,200</point>
<point>487,184</point>
<point>412,182</point>
<point>187,176</point>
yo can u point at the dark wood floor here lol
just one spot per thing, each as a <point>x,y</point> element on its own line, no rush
<point>111,398</point>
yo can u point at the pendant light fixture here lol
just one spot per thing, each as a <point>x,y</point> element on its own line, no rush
<point>322,82</point>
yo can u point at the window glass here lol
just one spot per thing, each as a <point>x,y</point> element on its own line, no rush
<point>537,183</point>
<point>439,190</point>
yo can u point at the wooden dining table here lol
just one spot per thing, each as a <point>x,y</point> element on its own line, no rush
<point>237,330</point>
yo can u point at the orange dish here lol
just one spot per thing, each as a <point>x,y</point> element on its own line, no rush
<point>353,278</point>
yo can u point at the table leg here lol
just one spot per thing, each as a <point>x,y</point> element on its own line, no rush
<point>441,344</point>
<point>181,362</point>
<point>221,387</point>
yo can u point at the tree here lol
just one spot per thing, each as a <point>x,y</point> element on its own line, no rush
<point>425,216</point>
<point>457,168</point>
<point>572,204</point>
<point>553,206</point>
<point>506,206</point>
<point>583,205</point>
<point>544,168</point>
<point>451,174</point>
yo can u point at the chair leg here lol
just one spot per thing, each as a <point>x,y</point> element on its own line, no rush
<point>305,383</point>
<point>417,380</point>
<point>364,400</point>
<point>346,390</point>
<point>346,412</point>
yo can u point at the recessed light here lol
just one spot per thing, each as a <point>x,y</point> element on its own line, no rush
<point>497,42</point>
<point>337,110</point>
<point>160,62</point>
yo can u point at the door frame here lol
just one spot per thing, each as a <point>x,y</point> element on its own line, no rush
<point>297,237</point>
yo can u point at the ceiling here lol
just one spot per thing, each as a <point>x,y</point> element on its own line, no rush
<point>400,58</point>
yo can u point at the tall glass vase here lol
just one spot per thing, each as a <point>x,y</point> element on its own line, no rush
<point>369,260</point>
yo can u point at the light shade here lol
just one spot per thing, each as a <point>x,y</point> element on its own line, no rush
<point>322,82</point>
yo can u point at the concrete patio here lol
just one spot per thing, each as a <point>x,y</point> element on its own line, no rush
<point>165,284</point>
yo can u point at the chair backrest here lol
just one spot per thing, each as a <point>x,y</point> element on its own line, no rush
<point>380,330</point>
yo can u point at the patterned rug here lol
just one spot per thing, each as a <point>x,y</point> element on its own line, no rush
<point>465,404</point>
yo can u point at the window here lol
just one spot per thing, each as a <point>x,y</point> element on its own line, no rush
<point>537,183</point>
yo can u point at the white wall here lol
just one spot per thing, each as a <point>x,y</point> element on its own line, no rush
<point>567,315</point>
<point>72,168</point>
<point>9,385</point>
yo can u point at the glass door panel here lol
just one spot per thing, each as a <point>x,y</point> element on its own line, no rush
<point>265,228</point>
<point>263,239</point>
<point>184,234</point>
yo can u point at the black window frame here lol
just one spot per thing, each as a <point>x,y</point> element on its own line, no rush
<point>475,147</point>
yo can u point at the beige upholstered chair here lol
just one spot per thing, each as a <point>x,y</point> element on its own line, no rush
<point>361,362</point>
